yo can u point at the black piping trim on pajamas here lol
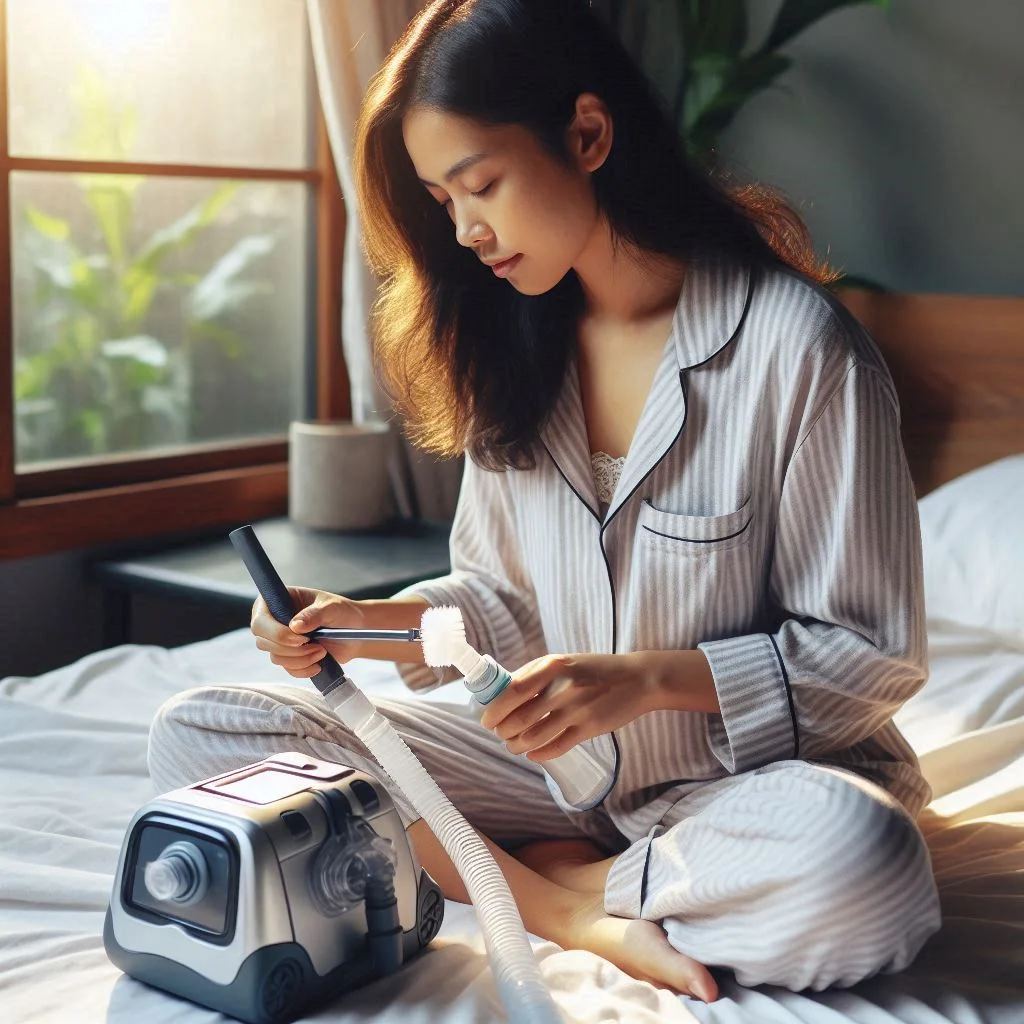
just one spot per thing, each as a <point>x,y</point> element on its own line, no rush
<point>661,458</point>
<point>751,284</point>
<point>618,764</point>
<point>789,697</point>
<point>608,521</point>
<point>568,483</point>
<point>704,540</point>
<point>611,587</point>
<point>647,864</point>
<point>686,405</point>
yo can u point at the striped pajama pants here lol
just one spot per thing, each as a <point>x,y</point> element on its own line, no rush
<point>793,874</point>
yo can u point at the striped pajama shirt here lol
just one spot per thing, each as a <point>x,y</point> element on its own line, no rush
<point>765,514</point>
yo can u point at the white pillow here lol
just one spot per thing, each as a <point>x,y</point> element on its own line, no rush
<point>972,532</point>
<point>976,681</point>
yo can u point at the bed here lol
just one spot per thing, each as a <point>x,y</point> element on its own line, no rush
<point>73,771</point>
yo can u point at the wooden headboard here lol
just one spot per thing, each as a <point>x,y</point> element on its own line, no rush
<point>958,365</point>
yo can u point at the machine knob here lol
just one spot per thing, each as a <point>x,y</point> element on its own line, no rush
<point>180,874</point>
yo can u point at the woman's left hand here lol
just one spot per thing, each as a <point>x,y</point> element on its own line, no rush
<point>557,701</point>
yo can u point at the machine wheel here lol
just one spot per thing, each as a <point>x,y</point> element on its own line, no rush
<point>431,909</point>
<point>281,989</point>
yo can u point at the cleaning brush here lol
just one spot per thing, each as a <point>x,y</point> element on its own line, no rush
<point>444,641</point>
<point>442,633</point>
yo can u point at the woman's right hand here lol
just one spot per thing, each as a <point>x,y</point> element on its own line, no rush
<point>286,644</point>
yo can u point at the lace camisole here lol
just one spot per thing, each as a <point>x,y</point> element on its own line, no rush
<point>607,471</point>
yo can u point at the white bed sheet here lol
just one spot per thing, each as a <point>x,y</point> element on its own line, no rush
<point>73,771</point>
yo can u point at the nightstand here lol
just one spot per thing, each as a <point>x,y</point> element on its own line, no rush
<point>209,572</point>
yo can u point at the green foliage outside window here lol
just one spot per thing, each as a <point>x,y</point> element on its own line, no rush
<point>91,376</point>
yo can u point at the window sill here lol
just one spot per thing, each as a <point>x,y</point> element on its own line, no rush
<point>55,479</point>
<point>162,508</point>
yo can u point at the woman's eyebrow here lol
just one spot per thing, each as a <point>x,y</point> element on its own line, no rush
<point>457,168</point>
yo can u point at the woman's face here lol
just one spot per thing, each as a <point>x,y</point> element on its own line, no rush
<point>506,195</point>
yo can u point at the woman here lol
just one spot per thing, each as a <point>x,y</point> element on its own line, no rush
<point>685,521</point>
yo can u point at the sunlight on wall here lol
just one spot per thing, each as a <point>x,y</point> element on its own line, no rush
<point>117,26</point>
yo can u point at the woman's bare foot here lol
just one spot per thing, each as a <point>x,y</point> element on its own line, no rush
<point>573,919</point>
<point>640,948</point>
<point>576,864</point>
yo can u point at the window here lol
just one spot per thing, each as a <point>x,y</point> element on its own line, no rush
<point>169,265</point>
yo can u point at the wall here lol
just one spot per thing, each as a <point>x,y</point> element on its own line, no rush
<point>899,133</point>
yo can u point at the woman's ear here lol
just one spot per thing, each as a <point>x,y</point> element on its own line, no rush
<point>590,132</point>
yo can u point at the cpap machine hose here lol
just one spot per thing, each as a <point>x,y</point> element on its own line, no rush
<point>522,990</point>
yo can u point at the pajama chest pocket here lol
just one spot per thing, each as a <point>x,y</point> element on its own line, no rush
<point>694,577</point>
<point>694,535</point>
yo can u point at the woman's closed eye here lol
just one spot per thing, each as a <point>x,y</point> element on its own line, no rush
<point>479,192</point>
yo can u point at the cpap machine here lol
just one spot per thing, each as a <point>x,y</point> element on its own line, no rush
<point>268,890</point>
<point>265,891</point>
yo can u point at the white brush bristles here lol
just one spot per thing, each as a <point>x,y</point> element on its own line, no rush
<point>444,636</point>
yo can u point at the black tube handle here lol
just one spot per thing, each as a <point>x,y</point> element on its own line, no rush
<point>263,573</point>
<point>279,601</point>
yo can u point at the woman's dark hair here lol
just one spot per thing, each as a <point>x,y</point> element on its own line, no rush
<point>471,363</point>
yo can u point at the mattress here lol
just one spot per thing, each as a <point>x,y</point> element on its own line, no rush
<point>73,771</point>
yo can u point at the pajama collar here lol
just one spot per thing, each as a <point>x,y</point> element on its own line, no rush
<point>712,305</point>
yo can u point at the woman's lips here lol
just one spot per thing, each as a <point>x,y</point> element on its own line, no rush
<point>506,267</point>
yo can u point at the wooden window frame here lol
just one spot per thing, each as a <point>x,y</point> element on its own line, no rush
<point>141,496</point>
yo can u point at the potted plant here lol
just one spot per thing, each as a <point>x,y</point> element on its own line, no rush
<point>700,56</point>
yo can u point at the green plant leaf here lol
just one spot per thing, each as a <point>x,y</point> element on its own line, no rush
<point>105,130</point>
<point>707,75</point>
<point>32,376</point>
<point>220,290</point>
<point>142,348</point>
<point>92,424</point>
<point>796,15</point>
<point>72,277</point>
<point>56,270</point>
<point>110,197</point>
<point>87,287</point>
<point>177,235</point>
<point>749,76</point>
<point>162,401</point>
<point>128,184</point>
<point>84,335</point>
<point>715,27</point>
<point>140,286</point>
<point>227,340</point>
<point>49,227</point>
<point>186,279</point>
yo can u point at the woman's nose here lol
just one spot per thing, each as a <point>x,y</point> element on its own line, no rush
<point>470,232</point>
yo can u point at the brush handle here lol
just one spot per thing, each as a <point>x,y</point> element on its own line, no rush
<point>582,781</point>
<point>279,601</point>
<point>343,633</point>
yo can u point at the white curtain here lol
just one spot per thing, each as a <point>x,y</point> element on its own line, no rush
<point>350,41</point>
